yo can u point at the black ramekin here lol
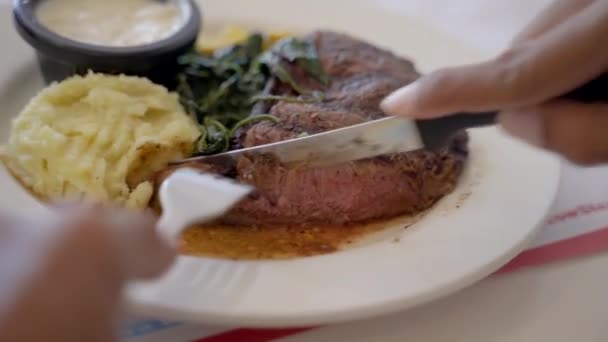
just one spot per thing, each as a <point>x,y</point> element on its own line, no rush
<point>60,57</point>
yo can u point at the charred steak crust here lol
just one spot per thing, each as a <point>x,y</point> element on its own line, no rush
<point>361,76</point>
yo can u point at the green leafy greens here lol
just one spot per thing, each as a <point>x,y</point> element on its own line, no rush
<point>220,90</point>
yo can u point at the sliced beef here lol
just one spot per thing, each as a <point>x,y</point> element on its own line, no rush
<point>369,189</point>
<point>361,76</point>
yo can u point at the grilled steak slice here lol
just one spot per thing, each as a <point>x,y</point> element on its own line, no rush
<point>361,76</point>
<point>369,189</point>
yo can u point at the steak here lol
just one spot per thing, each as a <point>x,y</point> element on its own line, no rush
<point>383,187</point>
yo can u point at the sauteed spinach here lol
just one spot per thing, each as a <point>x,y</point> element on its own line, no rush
<point>220,90</point>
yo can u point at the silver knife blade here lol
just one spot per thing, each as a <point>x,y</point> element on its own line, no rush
<point>366,140</point>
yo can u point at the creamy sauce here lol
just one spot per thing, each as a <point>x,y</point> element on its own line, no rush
<point>117,23</point>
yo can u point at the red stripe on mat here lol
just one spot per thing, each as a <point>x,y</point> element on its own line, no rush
<point>581,245</point>
<point>578,246</point>
<point>252,335</point>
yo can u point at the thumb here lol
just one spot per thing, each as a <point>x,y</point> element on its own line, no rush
<point>143,252</point>
<point>575,130</point>
<point>133,242</point>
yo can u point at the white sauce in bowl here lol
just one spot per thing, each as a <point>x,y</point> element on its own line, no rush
<point>116,23</point>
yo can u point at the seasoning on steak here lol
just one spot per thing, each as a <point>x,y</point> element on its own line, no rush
<point>383,187</point>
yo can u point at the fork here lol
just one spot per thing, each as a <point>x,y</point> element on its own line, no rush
<point>188,196</point>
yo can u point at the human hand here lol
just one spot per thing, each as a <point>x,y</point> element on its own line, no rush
<point>62,281</point>
<point>564,48</point>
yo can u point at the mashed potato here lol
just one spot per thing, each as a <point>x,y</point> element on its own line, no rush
<point>98,138</point>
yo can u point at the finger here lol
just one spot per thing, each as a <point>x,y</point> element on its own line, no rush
<point>7,225</point>
<point>138,251</point>
<point>67,205</point>
<point>143,252</point>
<point>575,130</point>
<point>554,14</point>
<point>528,74</point>
<point>76,263</point>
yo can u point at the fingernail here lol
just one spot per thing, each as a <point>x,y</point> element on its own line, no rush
<point>525,125</point>
<point>401,101</point>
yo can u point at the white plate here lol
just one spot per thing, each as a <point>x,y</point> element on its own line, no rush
<point>505,193</point>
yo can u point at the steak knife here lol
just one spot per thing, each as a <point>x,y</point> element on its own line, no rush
<point>383,136</point>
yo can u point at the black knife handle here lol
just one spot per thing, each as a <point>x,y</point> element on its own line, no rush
<point>435,133</point>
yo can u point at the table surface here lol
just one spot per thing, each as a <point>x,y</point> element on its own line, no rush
<point>561,302</point>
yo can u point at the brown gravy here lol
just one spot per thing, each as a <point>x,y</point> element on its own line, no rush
<point>279,242</point>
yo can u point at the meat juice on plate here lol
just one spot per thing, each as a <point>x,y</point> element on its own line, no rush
<point>286,242</point>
